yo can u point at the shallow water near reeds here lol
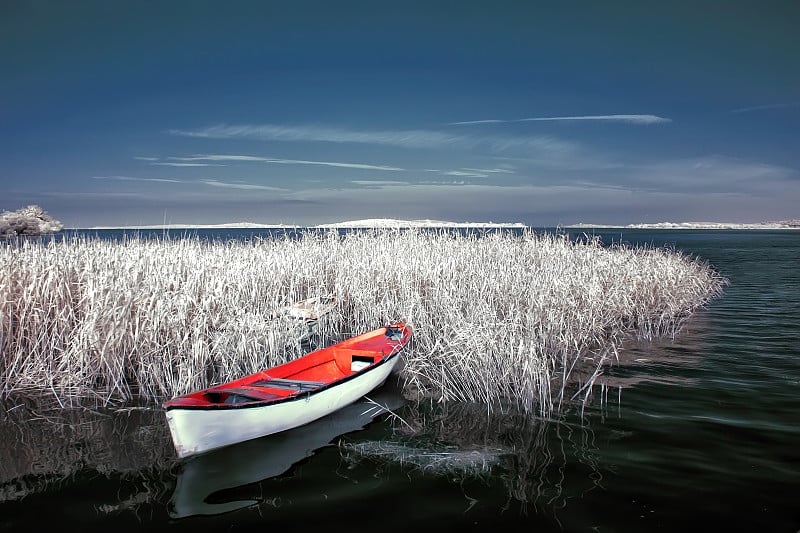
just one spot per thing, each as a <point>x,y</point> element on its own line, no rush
<point>700,432</point>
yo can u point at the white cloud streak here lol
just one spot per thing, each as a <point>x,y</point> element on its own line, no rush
<point>272,132</point>
<point>187,164</point>
<point>371,183</point>
<point>361,166</point>
<point>223,157</point>
<point>129,178</point>
<point>219,157</point>
<point>490,170</point>
<point>208,182</point>
<point>241,186</point>
<point>465,173</point>
<point>710,174</point>
<point>766,107</point>
<point>423,139</point>
<point>634,119</point>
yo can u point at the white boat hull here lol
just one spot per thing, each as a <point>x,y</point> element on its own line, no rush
<point>195,431</point>
<point>218,471</point>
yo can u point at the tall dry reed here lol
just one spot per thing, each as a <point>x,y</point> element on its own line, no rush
<point>496,316</point>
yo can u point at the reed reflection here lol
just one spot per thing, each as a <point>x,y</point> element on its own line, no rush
<point>45,446</point>
<point>203,480</point>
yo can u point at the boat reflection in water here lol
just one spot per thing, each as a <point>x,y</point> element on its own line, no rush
<point>201,477</point>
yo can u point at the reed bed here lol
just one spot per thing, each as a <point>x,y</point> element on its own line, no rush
<point>496,316</point>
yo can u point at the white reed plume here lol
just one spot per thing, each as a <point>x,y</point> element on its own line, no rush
<point>497,316</point>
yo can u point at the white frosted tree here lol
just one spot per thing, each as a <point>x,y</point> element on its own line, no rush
<point>30,220</point>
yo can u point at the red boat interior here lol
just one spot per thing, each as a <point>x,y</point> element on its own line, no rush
<point>315,370</point>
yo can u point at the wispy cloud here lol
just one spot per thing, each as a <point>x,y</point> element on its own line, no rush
<point>716,174</point>
<point>634,119</point>
<point>361,166</point>
<point>466,173</point>
<point>273,132</point>
<point>129,178</point>
<point>766,107</point>
<point>224,157</point>
<point>490,170</point>
<point>94,195</point>
<point>472,172</point>
<point>218,157</point>
<point>208,182</point>
<point>547,149</point>
<point>170,164</point>
<point>383,183</point>
<point>430,182</point>
<point>240,185</point>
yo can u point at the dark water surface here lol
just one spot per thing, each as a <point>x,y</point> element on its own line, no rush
<point>699,433</point>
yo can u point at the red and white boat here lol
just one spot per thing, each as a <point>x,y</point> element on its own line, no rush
<point>285,396</point>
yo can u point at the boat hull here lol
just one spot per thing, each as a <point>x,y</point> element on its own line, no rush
<point>204,482</point>
<point>203,421</point>
<point>198,431</point>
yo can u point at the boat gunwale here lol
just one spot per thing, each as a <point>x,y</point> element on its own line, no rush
<point>302,395</point>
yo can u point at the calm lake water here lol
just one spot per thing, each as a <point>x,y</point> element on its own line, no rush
<point>697,433</point>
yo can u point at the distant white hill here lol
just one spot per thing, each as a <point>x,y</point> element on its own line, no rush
<point>786,224</point>
<point>254,225</point>
<point>365,223</point>
<point>426,223</point>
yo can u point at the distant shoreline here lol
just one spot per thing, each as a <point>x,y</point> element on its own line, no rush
<point>393,223</point>
<point>369,223</point>
<point>696,225</point>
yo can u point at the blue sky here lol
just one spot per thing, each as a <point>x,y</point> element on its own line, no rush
<point>294,112</point>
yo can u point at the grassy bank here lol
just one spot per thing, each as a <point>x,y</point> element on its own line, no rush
<point>496,317</point>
